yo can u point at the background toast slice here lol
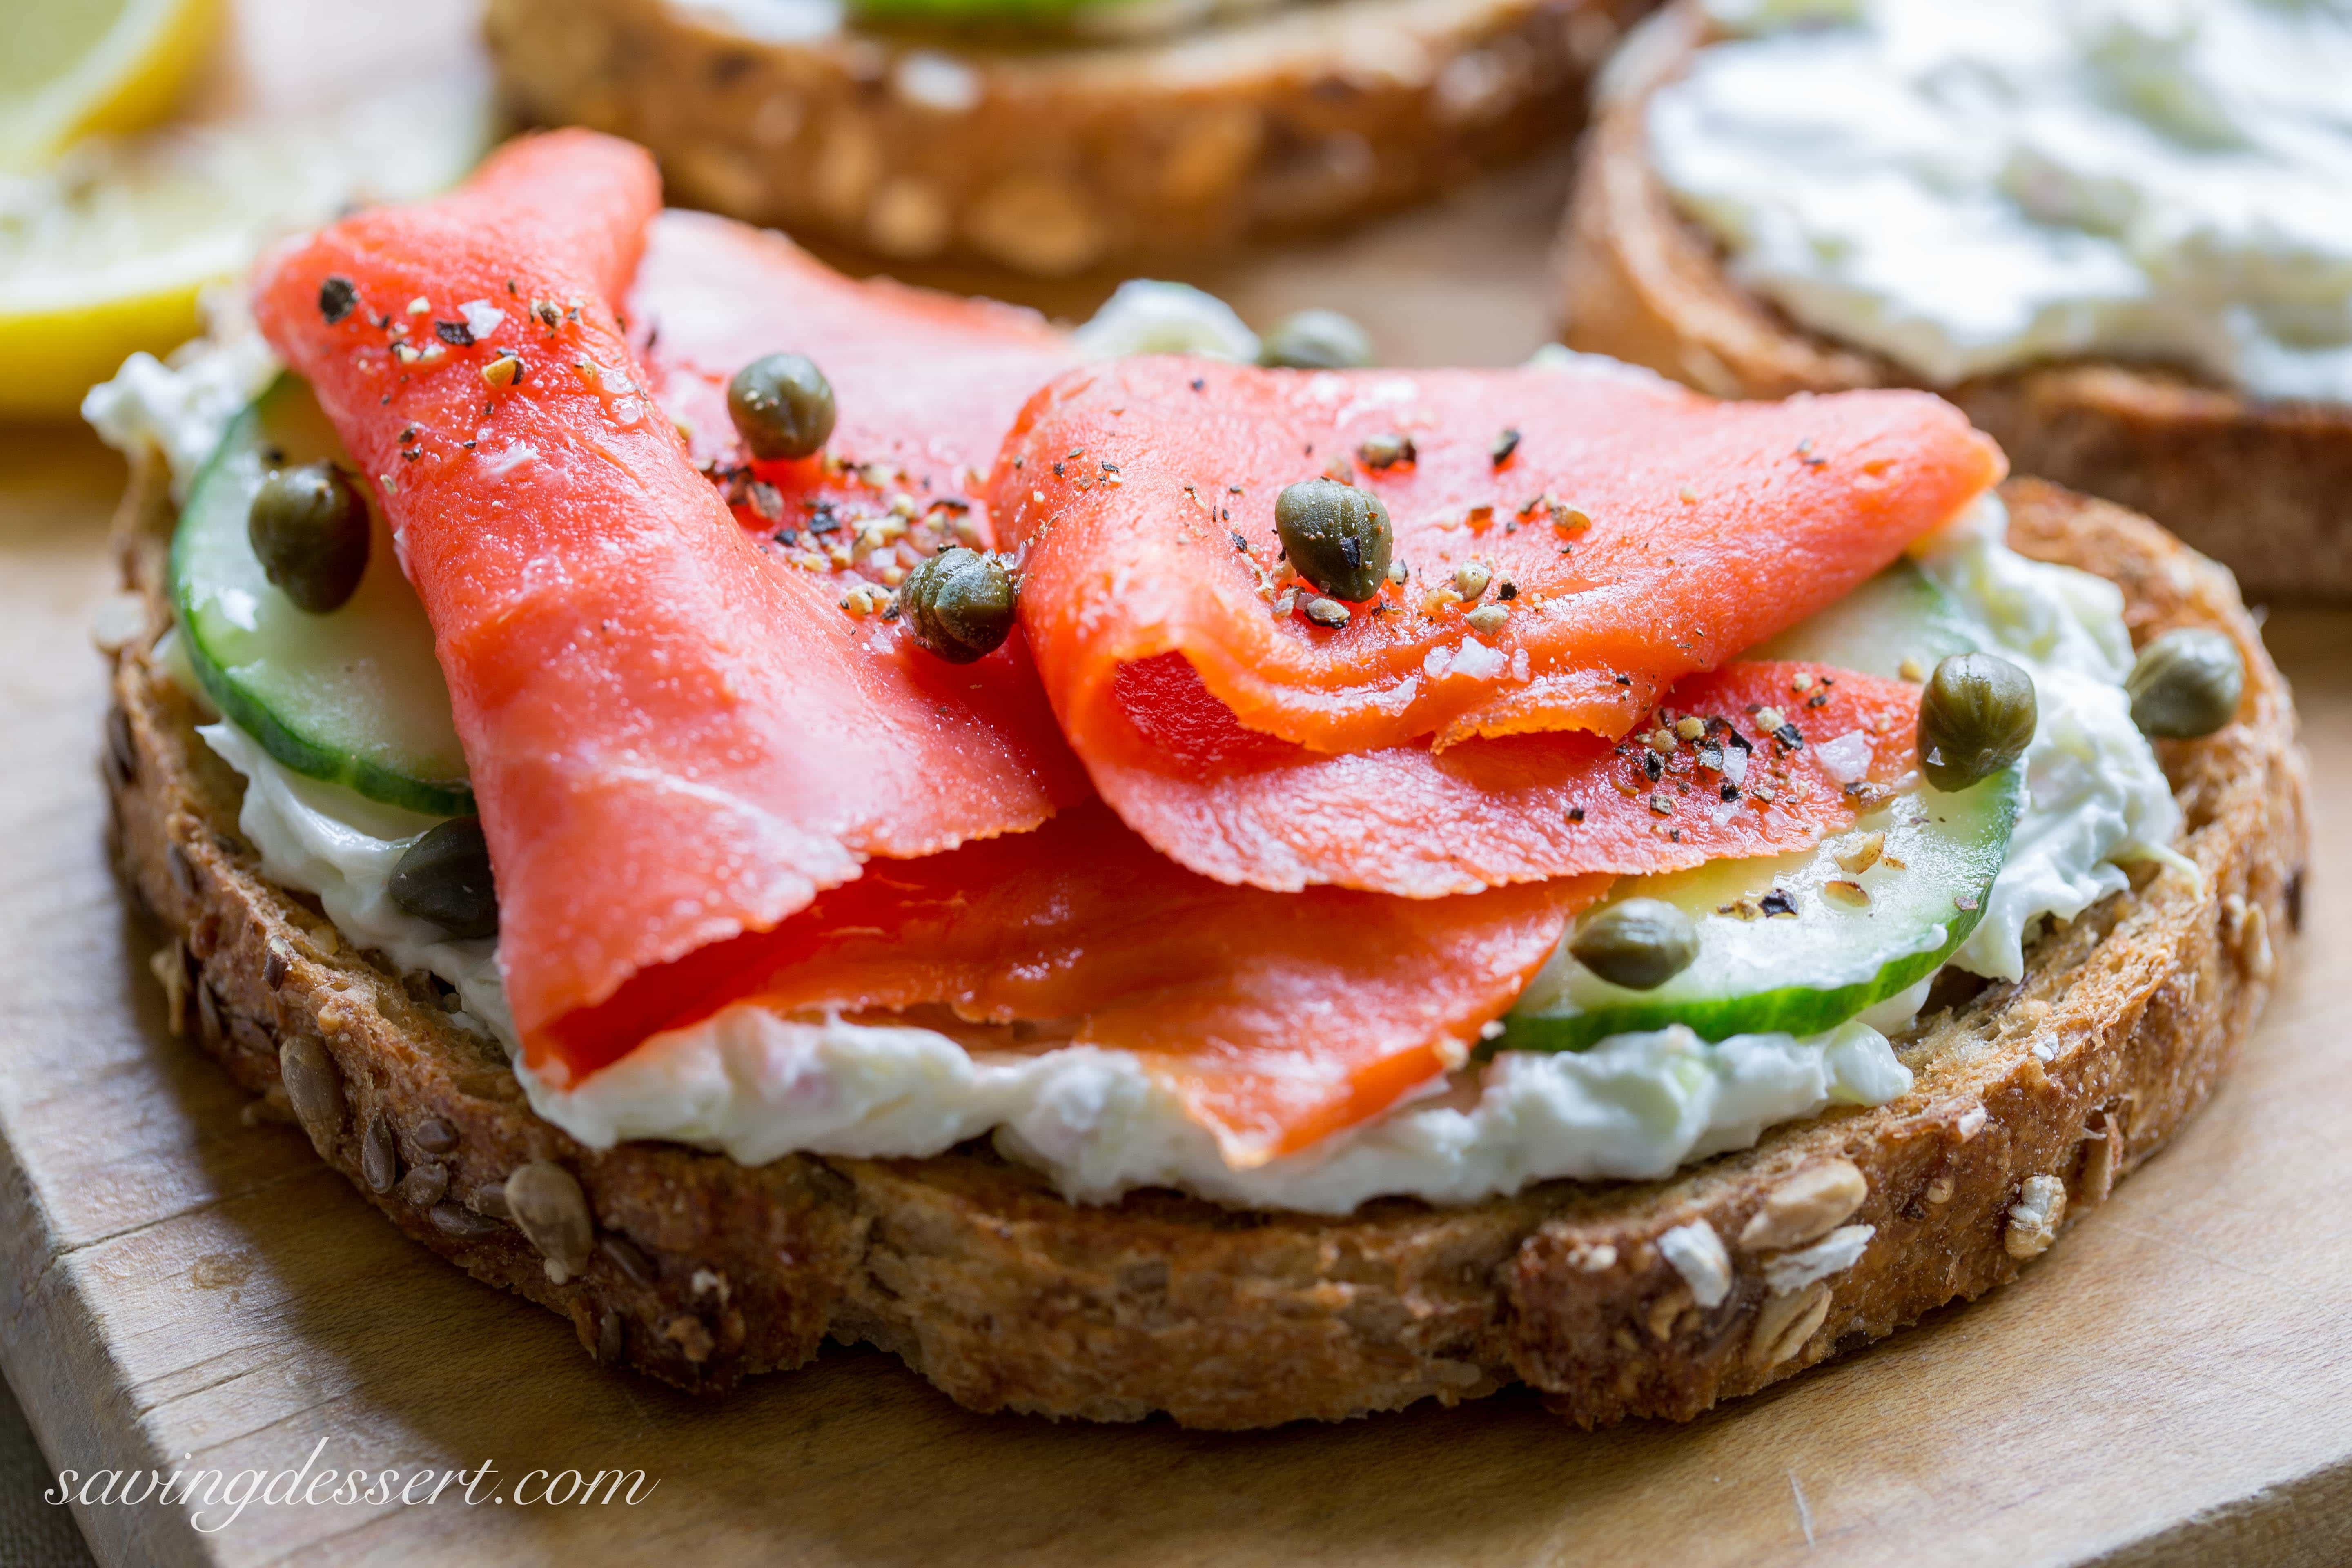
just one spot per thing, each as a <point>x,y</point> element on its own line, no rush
<point>1053,157</point>
<point>980,1278</point>
<point>2264,487</point>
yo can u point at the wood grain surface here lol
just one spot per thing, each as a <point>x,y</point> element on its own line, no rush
<point>2171,1385</point>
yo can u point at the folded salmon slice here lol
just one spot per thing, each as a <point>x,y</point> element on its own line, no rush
<point>680,736</point>
<point>1279,1018</point>
<point>1410,821</point>
<point>1629,534</point>
<point>675,734</point>
<point>926,384</point>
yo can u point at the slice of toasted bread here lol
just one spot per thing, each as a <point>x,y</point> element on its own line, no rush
<point>1009,1298</point>
<point>2265,486</point>
<point>1050,158</point>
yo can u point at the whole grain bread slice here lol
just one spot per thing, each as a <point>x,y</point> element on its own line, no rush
<point>1052,157</point>
<point>2264,486</point>
<point>2032,1101</point>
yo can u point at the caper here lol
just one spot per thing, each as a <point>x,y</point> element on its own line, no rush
<point>781,405</point>
<point>960,604</point>
<point>1639,944</point>
<point>309,529</point>
<point>1976,718</point>
<point>1315,340</point>
<point>1337,536</point>
<point>2187,683</point>
<point>444,877</point>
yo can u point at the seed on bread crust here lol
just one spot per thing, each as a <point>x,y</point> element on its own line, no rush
<point>379,1155</point>
<point>2033,1219</point>
<point>435,1136</point>
<point>461,1224</point>
<point>425,1186</point>
<point>313,1087</point>
<point>1783,1324</point>
<point>169,965</point>
<point>1806,1206</point>
<point>548,1206</point>
<point>1697,1254</point>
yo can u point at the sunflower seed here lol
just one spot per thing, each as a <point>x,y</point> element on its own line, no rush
<point>462,1224</point>
<point>314,1088</point>
<point>379,1155</point>
<point>120,747</point>
<point>1806,1207</point>
<point>1784,1323</point>
<point>2034,1218</point>
<point>425,1186</point>
<point>547,1204</point>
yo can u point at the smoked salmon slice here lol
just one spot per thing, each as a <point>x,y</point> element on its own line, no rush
<point>926,384</point>
<point>1622,534</point>
<point>1782,755</point>
<point>1278,1018</point>
<point>1633,532</point>
<point>677,735</point>
<point>703,778</point>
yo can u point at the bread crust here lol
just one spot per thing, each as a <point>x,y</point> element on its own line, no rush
<point>2264,486</point>
<point>1050,159</point>
<point>1008,1298</point>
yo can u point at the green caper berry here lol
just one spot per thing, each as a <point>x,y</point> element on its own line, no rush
<point>960,604</point>
<point>781,405</point>
<point>2186,683</point>
<point>444,877</point>
<point>1639,944</point>
<point>309,529</point>
<point>1336,537</point>
<point>1976,718</point>
<point>1315,340</point>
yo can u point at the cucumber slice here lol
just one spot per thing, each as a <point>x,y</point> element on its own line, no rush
<point>354,697</point>
<point>1900,614</point>
<point>1825,958</point>
<point>1810,969</point>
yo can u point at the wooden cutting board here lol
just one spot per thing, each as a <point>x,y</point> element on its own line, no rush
<point>2172,1384</point>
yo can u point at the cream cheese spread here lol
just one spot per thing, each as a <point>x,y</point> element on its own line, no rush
<point>755,1085</point>
<point>1969,187</point>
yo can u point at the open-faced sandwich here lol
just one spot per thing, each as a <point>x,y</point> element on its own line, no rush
<point>2118,234</point>
<point>747,806</point>
<point>1052,135</point>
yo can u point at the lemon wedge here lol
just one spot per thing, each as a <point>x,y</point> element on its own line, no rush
<point>85,67</point>
<point>104,252</point>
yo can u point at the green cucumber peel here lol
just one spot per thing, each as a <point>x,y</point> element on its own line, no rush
<point>1950,847</point>
<point>354,698</point>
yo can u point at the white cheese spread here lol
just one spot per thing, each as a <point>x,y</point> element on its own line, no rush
<point>1969,187</point>
<point>756,1086</point>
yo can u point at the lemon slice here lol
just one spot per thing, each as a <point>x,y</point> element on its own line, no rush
<point>83,67</point>
<point>103,252</point>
